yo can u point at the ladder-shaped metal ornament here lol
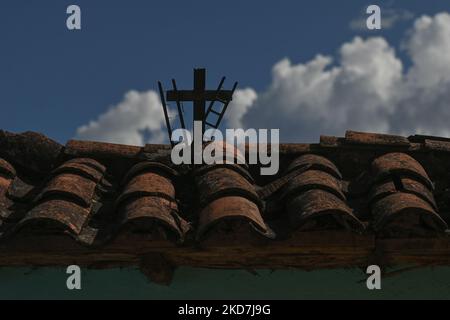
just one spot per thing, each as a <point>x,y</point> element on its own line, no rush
<point>224,106</point>
<point>166,113</point>
<point>198,96</point>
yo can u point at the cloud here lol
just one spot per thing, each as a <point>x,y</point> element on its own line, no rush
<point>306,100</point>
<point>367,89</point>
<point>243,99</point>
<point>389,17</point>
<point>136,120</point>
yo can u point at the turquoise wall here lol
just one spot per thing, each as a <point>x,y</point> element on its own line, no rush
<point>190,283</point>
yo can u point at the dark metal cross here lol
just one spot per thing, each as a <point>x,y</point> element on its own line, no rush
<point>199,96</point>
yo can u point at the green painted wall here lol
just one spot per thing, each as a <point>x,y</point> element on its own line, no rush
<point>192,283</point>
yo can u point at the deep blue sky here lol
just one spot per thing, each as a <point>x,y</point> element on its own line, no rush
<point>53,80</point>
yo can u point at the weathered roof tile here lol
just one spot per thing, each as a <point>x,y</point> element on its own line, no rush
<point>148,199</point>
<point>313,161</point>
<point>313,179</point>
<point>318,209</point>
<point>437,145</point>
<point>401,198</point>
<point>72,186</point>
<point>231,211</point>
<point>223,181</point>
<point>143,212</point>
<point>399,164</point>
<point>65,214</point>
<point>7,169</point>
<point>401,214</point>
<point>354,137</point>
<point>329,141</point>
<point>315,198</point>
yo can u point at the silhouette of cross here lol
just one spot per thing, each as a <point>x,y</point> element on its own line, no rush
<point>199,96</point>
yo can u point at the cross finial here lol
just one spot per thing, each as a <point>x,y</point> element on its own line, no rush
<point>199,96</point>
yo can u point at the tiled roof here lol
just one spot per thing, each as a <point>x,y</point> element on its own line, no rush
<point>338,202</point>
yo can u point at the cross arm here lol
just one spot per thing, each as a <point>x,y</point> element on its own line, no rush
<point>208,95</point>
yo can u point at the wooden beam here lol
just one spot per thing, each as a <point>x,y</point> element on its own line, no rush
<point>305,250</point>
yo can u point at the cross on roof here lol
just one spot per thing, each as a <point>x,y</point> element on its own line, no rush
<point>199,96</point>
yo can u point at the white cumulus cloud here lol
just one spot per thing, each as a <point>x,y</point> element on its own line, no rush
<point>136,120</point>
<point>366,87</point>
<point>306,100</point>
<point>242,100</point>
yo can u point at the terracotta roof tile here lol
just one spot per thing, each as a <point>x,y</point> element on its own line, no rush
<point>311,162</point>
<point>66,214</point>
<point>402,191</point>
<point>399,164</point>
<point>437,145</point>
<point>109,196</point>
<point>227,193</point>
<point>355,137</point>
<point>148,183</point>
<point>144,211</point>
<point>31,150</point>
<point>7,175</point>
<point>315,199</point>
<point>226,215</point>
<point>317,209</point>
<point>405,214</point>
<point>329,141</point>
<point>7,169</point>
<point>147,200</point>
<point>313,179</point>
<point>224,181</point>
